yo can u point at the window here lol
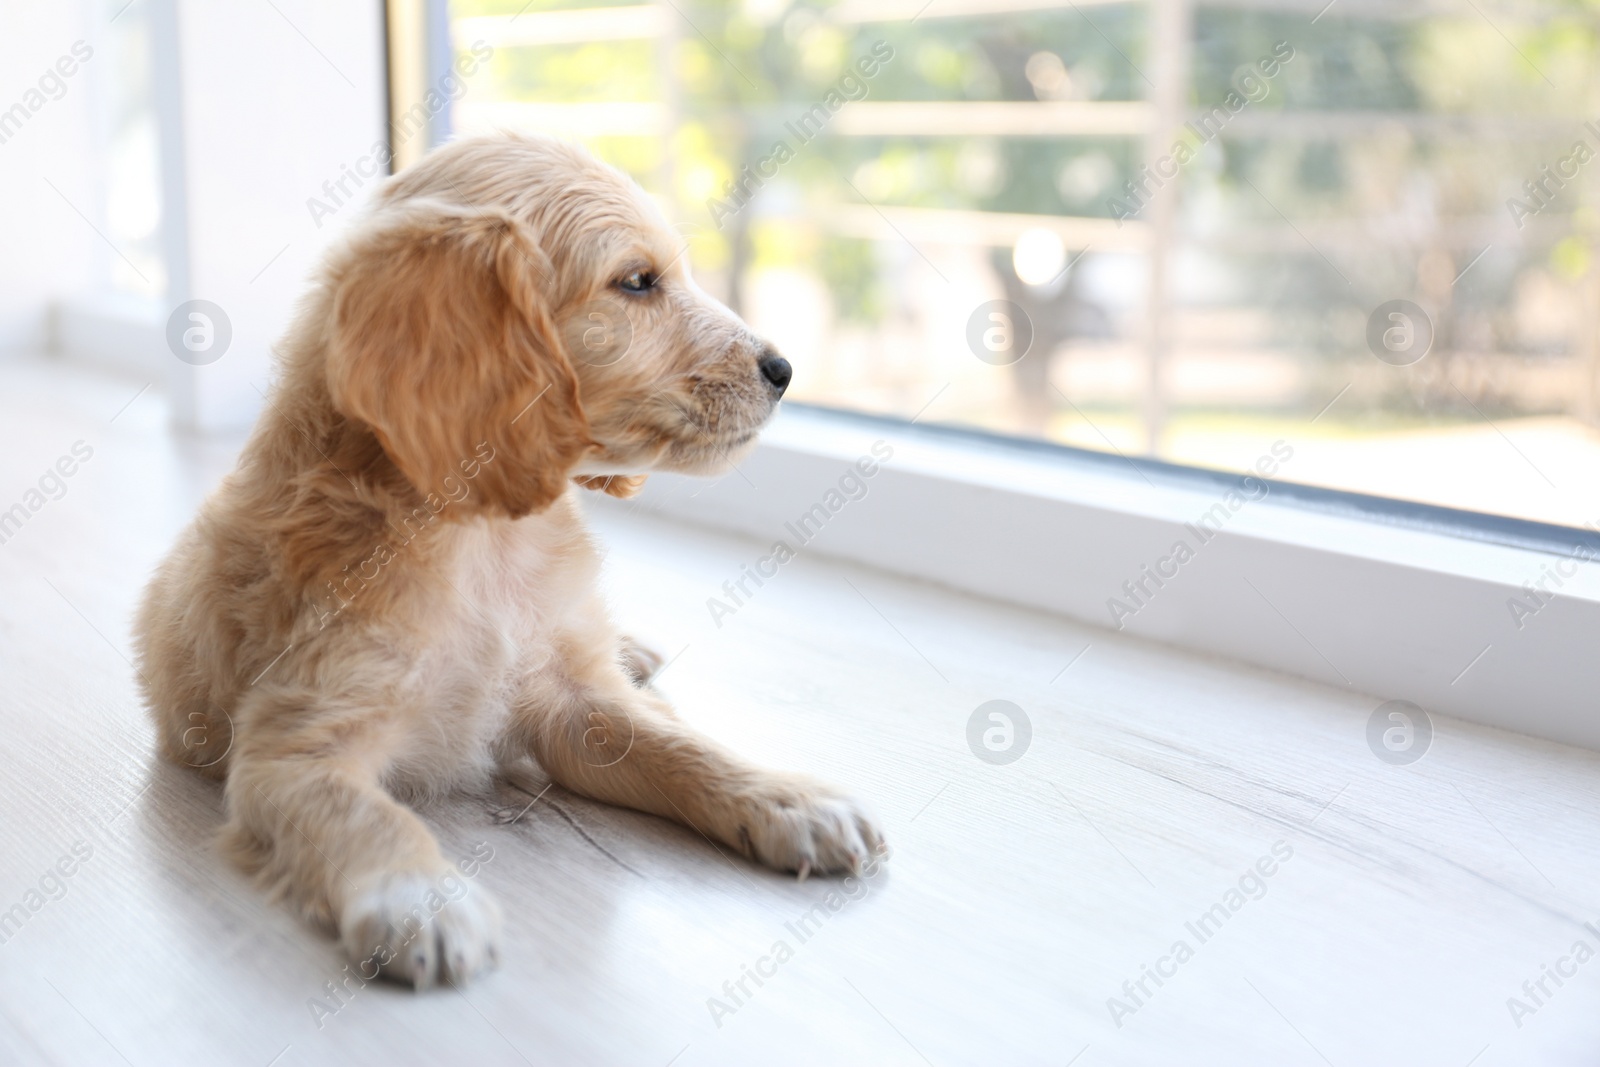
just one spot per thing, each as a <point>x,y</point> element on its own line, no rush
<point>1199,234</point>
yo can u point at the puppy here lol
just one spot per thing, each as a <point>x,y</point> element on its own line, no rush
<point>394,593</point>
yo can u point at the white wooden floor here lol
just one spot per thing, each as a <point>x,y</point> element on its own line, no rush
<point>1416,900</point>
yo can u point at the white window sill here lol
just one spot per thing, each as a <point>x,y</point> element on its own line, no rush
<point>1397,611</point>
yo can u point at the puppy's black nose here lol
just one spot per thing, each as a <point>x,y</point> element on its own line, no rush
<point>775,369</point>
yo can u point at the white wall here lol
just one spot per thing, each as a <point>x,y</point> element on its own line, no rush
<point>259,105</point>
<point>46,250</point>
<point>275,100</point>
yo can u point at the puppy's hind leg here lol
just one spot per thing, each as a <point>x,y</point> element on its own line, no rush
<point>307,814</point>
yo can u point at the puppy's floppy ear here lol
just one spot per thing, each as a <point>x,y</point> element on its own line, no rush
<point>442,343</point>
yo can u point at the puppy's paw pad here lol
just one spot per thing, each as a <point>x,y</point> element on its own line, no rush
<point>809,828</point>
<point>421,930</point>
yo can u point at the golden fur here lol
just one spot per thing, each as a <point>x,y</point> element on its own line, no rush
<point>394,593</point>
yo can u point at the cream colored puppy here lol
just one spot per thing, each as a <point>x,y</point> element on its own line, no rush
<point>395,595</point>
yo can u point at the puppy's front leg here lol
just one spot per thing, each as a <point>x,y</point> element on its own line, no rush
<point>598,735</point>
<point>308,815</point>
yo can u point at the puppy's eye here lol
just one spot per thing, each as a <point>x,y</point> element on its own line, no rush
<point>639,281</point>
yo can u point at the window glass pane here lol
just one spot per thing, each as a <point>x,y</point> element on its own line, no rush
<point>1366,231</point>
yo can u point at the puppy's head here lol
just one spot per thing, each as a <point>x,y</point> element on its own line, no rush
<point>513,297</point>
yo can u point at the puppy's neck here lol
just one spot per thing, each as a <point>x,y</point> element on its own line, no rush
<point>340,507</point>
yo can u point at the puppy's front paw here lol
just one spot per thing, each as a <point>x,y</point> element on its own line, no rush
<point>806,827</point>
<point>419,930</point>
